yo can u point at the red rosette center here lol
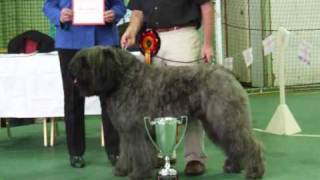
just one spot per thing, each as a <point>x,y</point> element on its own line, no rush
<point>149,42</point>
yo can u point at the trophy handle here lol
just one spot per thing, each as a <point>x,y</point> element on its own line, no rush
<point>148,133</point>
<point>182,120</point>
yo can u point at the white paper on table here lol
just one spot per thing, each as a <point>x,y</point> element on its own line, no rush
<point>269,45</point>
<point>228,63</point>
<point>88,12</point>
<point>304,52</point>
<point>248,56</point>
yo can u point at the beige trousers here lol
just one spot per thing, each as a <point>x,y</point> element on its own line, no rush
<point>184,45</point>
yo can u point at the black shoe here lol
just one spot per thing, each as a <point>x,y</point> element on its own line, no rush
<point>77,161</point>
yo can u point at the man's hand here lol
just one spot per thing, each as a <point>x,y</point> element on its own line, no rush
<point>128,39</point>
<point>66,15</point>
<point>109,16</point>
<point>207,53</point>
<point>207,23</point>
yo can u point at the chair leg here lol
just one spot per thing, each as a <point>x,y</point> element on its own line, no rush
<point>102,135</point>
<point>8,128</point>
<point>45,133</point>
<point>0,123</point>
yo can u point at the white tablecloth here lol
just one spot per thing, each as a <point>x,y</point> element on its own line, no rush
<point>31,86</point>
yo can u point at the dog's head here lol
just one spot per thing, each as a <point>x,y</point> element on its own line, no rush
<point>94,70</point>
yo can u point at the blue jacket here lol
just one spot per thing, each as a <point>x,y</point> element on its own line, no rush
<point>78,37</point>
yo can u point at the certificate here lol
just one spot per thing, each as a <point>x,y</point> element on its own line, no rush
<point>88,12</point>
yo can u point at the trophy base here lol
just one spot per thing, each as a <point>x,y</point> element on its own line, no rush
<point>168,174</point>
<point>168,177</point>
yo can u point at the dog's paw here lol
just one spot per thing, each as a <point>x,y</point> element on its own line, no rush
<point>254,176</point>
<point>255,168</point>
<point>117,171</point>
<point>255,172</point>
<point>135,177</point>
<point>231,167</point>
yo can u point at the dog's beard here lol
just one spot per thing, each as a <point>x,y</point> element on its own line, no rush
<point>85,88</point>
<point>88,93</point>
<point>84,91</point>
<point>92,86</point>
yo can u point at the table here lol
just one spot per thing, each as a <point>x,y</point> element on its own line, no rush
<point>31,86</point>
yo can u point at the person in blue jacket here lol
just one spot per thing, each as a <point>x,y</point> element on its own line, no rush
<point>69,39</point>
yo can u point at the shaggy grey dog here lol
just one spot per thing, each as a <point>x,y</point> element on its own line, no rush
<point>133,90</point>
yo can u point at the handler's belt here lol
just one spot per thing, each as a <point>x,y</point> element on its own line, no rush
<point>159,30</point>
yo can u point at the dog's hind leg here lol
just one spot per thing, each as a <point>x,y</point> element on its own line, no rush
<point>222,132</point>
<point>228,126</point>
<point>232,165</point>
<point>253,160</point>
<point>232,162</point>
<point>243,152</point>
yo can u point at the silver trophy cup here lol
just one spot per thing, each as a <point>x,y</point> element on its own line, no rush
<point>166,141</point>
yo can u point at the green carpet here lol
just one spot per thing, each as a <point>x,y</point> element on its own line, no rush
<point>287,158</point>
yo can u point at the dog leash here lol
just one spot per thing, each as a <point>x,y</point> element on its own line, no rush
<point>187,62</point>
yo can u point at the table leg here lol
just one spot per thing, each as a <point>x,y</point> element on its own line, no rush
<point>102,135</point>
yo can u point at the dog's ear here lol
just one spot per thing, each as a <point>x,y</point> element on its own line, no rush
<point>106,70</point>
<point>108,53</point>
<point>108,61</point>
<point>78,64</point>
<point>113,55</point>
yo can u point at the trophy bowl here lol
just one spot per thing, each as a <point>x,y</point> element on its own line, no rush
<point>166,141</point>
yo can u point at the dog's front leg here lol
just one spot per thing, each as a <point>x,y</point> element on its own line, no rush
<point>142,155</point>
<point>123,165</point>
